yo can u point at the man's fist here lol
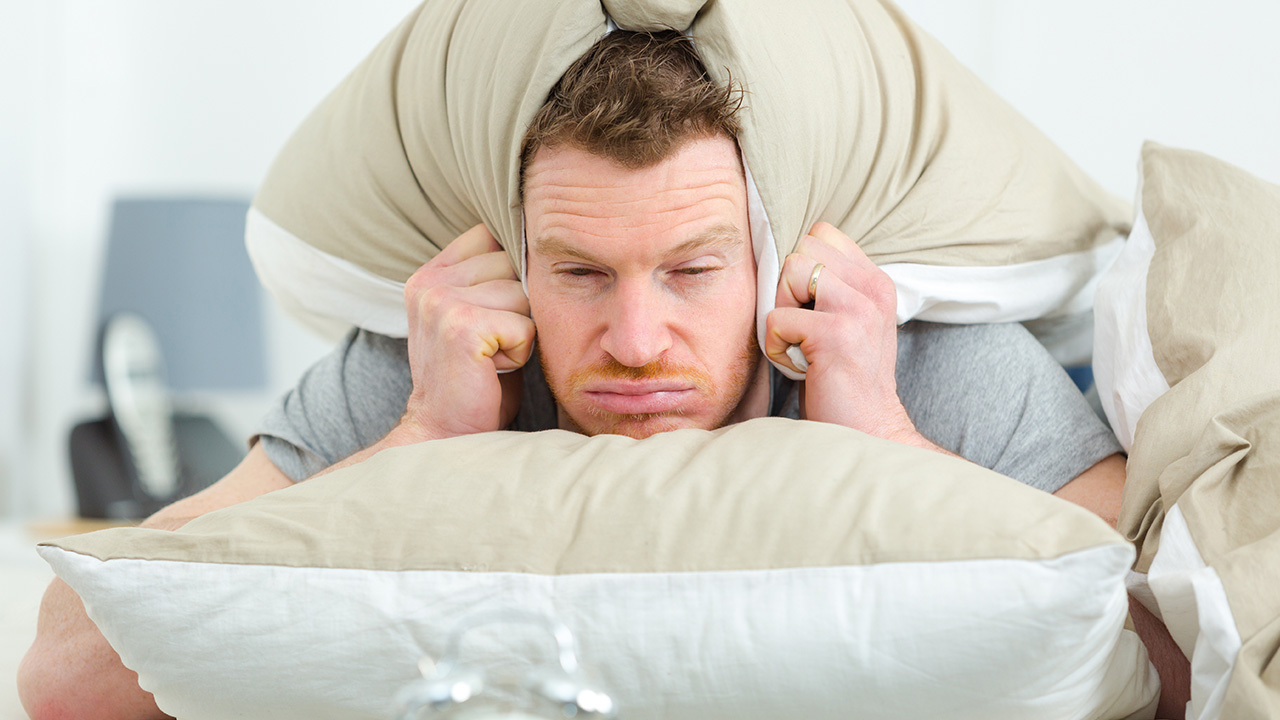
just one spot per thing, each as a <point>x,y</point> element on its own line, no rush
<point>468,319</point>
<point>848,332</point>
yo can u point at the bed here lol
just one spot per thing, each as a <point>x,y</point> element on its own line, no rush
<point>1200,421</point>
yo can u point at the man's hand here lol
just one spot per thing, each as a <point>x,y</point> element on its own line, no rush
<point>849,335</point>
<point>468,319</point>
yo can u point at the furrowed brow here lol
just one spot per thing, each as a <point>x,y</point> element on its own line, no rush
<point>556,247</point>
<point>724,236</point>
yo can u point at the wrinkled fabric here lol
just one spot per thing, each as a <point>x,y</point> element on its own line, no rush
<point>853,115</point>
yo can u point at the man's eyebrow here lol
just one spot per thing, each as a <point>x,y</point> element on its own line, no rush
<point>724,236</point>
<point>718,237</point>
<point>559,248</point>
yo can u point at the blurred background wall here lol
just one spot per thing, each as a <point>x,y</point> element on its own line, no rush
<point>1100,77</point>
<point>149,97</point>
<point>136,97</point>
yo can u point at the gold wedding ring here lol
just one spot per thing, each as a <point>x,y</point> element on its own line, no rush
<point>813,283</point>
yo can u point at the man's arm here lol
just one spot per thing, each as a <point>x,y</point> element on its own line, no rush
<point>70,670</point>
<point>1099,489</point>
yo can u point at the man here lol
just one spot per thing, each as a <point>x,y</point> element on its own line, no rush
<point>641,284</point>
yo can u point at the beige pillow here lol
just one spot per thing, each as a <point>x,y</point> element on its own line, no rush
<point>855,116</point>
<point>1188,322</point>
<point>771,569</point>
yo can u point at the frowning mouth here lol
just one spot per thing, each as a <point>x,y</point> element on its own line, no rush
<point>639,397</point>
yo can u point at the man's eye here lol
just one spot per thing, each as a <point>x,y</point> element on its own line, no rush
<point>695,270</point>
<point>580,271</point>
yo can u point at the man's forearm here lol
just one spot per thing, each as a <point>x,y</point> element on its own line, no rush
<point>915,439</point>
<point>1171,665</point>
<point>1098,489</point>
<point>71,671</point>
<point>71,666</point>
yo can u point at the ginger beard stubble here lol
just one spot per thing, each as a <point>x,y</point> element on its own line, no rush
<point>602,422</point>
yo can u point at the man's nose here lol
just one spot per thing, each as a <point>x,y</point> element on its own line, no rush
<point>636,331</point>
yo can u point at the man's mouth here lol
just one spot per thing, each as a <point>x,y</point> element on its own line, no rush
<point>639,397</point>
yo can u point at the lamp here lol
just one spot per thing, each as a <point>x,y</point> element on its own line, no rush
<point>180,264</point>
<point>178,295</point>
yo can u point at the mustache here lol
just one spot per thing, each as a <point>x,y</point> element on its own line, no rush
<point>661,369</point>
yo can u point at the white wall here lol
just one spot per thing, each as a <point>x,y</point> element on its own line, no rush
<point>98,99</point>
<point>1100,76</point>
<point>137,96</point>
<point>17,89</point>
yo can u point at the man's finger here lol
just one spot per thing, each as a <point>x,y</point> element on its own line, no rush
<point>835,237</point>
<point>481,269</point>
<point>504,295</point>
<point>475,241</point>
<point>787,326</point>
<point>506,338</point>
<point>793,283</point>
<point>843,258</point>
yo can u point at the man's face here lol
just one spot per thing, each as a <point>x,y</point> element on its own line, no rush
<point>642,285</point>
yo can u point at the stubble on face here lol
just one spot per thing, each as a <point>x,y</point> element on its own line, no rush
<point>640,426</point>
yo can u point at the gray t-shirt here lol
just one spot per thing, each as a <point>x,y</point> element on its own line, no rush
<point>989,393</point>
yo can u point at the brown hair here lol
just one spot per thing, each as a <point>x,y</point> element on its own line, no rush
<point>634,98</point>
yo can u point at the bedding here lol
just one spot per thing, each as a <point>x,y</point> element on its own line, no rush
<point>975,214</point>
<point>1187,322</point>
<point>702,577</point>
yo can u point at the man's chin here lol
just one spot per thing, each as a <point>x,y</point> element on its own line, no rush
<point>638,426</point>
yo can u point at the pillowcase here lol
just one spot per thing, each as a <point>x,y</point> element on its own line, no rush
<point>702,576</point>
<point>855,116</point>
<point>1187,322</point>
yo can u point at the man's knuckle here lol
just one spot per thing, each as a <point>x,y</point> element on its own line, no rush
<point>772,322</point>
<point>882,290</point>
<point>415,284</point>
<point>858,313</point>
<point>434,298</point>
<point>842,324</point>
<point>424,279</point>
<point>461,319</point>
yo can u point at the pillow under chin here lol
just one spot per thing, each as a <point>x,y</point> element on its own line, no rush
<point>1187,322</point>
<point>771,569</point>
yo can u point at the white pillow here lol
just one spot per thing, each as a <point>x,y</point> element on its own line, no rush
<point>772,569</point>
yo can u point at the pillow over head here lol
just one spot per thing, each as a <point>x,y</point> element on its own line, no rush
<point>703,579</point>
<point>854,116</point>
<point>1187,322</point>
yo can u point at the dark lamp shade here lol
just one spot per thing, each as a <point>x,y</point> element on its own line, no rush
<point>181,264</point>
